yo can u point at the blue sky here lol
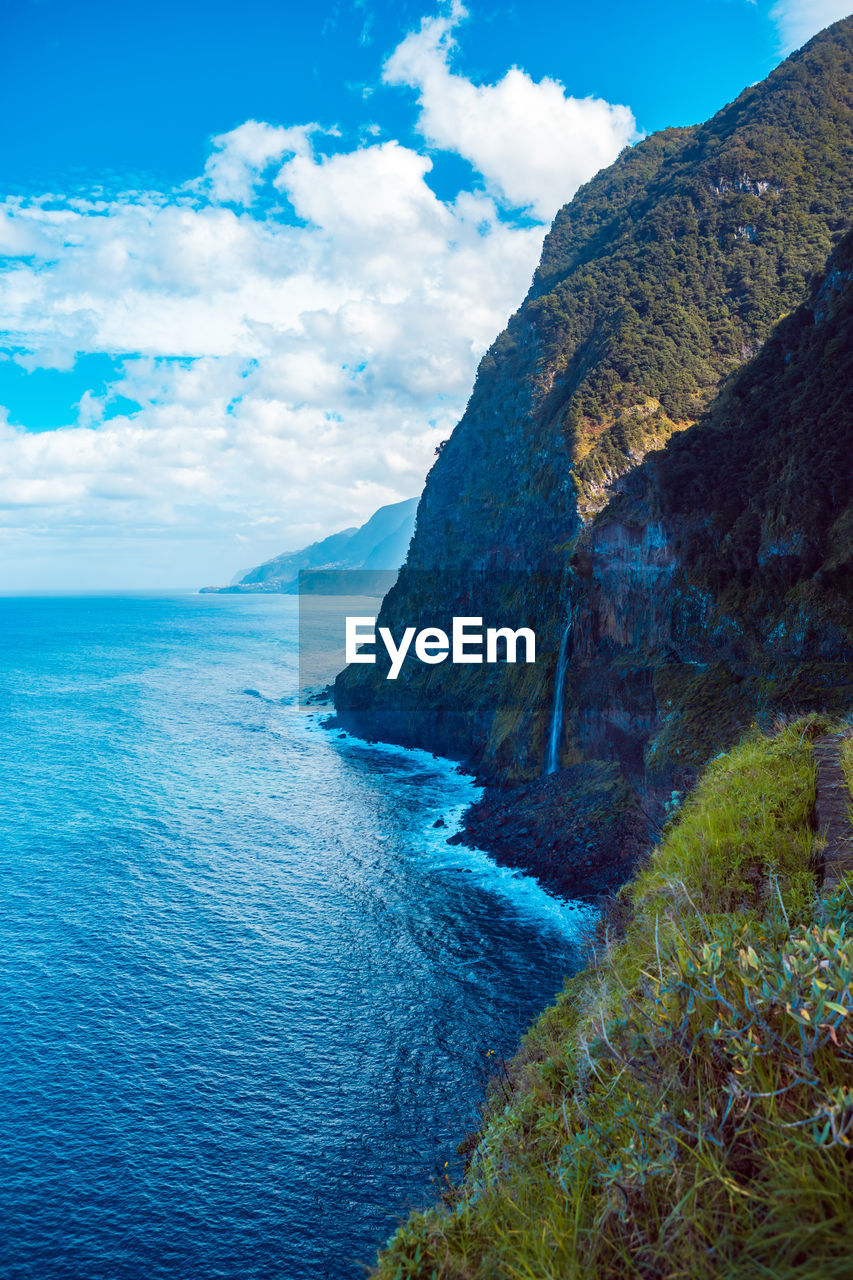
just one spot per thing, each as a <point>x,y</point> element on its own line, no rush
<point>251,254</point>
<point>111,92</point>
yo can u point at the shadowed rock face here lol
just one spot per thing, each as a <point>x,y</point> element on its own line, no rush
<point>717,588</point>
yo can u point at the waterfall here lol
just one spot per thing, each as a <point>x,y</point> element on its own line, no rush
<point>552,755</point>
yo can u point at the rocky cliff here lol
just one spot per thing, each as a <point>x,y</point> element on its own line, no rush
<point>715,589</point>
<point>697,588</point>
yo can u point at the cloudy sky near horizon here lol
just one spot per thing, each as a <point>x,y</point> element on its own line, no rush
<point>250,258</point>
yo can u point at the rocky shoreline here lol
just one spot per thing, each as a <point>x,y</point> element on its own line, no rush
<point>580,831</point>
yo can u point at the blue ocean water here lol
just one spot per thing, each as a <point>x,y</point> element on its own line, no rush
<point>247,991</point>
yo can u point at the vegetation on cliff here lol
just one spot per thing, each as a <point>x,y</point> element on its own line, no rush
<point>662,278</point>
<point>684,1108</point>
<point>760,494</point>
<point>650,292</point>
<point>671,267</point>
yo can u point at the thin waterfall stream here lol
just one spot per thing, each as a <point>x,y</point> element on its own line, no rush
<point>552,755</point>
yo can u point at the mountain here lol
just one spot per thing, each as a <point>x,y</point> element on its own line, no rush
<point>686,593</point>
<point>380,543</point>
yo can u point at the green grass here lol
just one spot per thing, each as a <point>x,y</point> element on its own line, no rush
<point>685,1107</point>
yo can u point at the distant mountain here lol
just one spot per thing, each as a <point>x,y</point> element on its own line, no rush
<point>381,543</point>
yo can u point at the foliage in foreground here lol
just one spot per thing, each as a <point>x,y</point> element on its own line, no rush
<point>685,1108</point>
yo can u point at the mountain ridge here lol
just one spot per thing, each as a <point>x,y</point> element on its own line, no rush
<point>380,543</point>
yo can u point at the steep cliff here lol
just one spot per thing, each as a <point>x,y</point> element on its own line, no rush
<point>716,588</point>
<point>661,278</point>
<point>713,592</point>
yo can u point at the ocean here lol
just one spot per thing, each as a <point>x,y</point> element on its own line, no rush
<point>249,996</point>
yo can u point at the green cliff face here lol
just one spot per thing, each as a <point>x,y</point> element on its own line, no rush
<point>665,275</point>
<point>716,589</point>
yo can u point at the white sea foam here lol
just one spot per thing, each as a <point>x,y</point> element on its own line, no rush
<point>521,890</point>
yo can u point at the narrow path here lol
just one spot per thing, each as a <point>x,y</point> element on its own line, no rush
<point>832,808</point>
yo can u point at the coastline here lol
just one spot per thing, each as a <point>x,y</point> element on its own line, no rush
<point>579,832</point>
<point>450,844</point>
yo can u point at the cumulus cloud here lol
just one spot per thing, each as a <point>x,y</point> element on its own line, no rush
<point>303,371</point>
<point>533,144</point>
<point>299,327</point>
<point>240,157</point>
<point>799,20</point>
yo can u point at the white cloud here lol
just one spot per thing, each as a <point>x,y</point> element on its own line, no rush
<point>533,144</point>
<point>378,191</point>
<point>241,157</point>
<point>303,371</point>
<point>799,20</point>
<point>299,329</point>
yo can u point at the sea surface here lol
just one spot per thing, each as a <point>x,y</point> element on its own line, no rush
<point>249,996</point>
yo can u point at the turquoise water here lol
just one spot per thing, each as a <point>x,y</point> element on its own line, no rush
<point>247,991</point>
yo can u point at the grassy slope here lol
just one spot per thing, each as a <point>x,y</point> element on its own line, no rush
<point>684,1108</point>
